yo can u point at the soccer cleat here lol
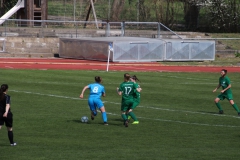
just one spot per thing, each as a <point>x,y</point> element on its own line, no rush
<point>135,122</point>
<point>126,123</point>
<point>105,123</point>
<point>221,112</point>
<point>238,113</point>
<point>13,144</point>
<point>92,117</point>
<point>129,117</point>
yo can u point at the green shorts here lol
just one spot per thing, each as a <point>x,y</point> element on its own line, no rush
<point>135,104</point>
<point>126,105</point>
<point>227,96</point>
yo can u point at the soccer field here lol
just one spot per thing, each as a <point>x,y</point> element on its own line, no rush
<point>177,114</point>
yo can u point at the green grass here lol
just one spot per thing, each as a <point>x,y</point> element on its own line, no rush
<point>178,119</point>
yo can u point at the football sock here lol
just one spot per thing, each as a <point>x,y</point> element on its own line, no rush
<point>104,116</point>
<point>94,113</point>
<point>236,107</point>
<point>124,116</point>
<point>219,106</point>
<point>128,116</point>
<point>133,116</point>
<point>10,136</point>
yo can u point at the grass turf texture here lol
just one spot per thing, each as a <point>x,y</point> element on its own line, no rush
<point>178,119</point>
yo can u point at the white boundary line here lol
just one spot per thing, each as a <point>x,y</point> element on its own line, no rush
<point>157,119</point>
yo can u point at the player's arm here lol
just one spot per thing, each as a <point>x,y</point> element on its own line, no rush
<point>81,95</point>
<point>229,86</point>
<point>103,94</point>
<point>119,92</point>
<point>7,109</point>
<point>217,88</point>
<point>7,106</point>
<point>137,88</point>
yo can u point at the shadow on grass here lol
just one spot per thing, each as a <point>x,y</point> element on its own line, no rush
<point>209,112</point>
<point>118,119</point>
<point>99,123</point>
<point>6,145</point>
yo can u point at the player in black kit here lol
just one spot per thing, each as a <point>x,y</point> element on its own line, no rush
<point>6,115</point>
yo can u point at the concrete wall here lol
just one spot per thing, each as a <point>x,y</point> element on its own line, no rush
<point>30,47</point>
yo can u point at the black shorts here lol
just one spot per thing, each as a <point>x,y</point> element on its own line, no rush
<point>7,120</point>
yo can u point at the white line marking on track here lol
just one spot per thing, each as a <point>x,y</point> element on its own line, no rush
<point>8,67</point>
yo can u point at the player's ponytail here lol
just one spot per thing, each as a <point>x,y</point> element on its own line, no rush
<point>135,78</point>
<point>1,94</point>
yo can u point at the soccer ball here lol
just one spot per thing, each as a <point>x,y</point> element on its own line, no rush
<point>84,119</point>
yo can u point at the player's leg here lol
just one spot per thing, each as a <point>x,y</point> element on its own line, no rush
<point>125,107</point>
<point>10,136</point>
<point>234,106</point>
<point>104,115</point>
<point>92,108</point>
<point>124,117</point>
<point>131,114</point>
<point>9,124</point>
<point>220,97</point>
<point>101,107</point>
<point>128,116</point>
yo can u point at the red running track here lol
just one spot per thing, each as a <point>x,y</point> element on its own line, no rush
<point>74,64</point>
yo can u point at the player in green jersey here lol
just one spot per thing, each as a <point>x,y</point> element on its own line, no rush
<point>136,99</point>
<point>226,92</point>
<point>126,90</point>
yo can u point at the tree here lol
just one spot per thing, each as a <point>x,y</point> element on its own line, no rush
<point>117,8</point>
<point>191,13</point>
<point>165,10</point>
<point>223,15</point>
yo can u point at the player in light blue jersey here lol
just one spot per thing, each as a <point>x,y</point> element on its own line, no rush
<point>94,100</point>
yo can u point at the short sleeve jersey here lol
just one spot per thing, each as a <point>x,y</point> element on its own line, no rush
<point>3,102</point>
<point>225,82</point>
<point>127,89</point>
<point>96,90</point>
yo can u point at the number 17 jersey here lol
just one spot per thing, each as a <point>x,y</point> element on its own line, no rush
<point>127,89</point>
